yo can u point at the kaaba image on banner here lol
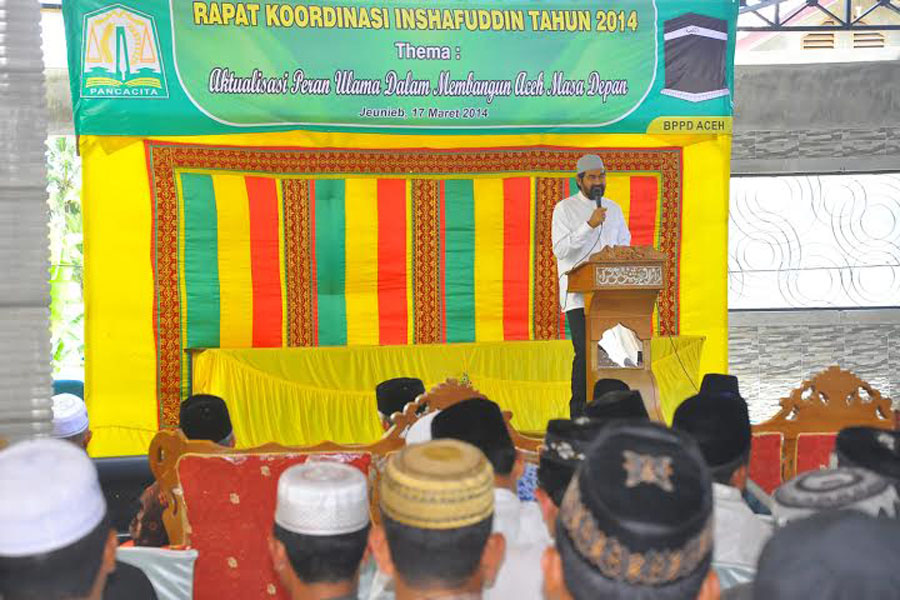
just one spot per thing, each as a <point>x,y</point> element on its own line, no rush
<point>696,47</point>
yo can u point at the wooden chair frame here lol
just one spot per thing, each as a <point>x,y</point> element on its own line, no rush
<point>445,395</point>
<point>825,403</point>
<point>168,446</point>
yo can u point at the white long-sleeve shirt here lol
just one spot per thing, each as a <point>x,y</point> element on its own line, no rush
<point>520,577</point>
<point>574,241</point>
<point>739,533</point>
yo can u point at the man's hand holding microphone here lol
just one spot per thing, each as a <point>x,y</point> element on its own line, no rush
<point>597,217</point>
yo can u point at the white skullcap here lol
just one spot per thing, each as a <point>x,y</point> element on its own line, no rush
<point>420,431</point>
<point>589,162</point>
<point>51,497</point>
<point>69,415</point>
<point>843,488</point>
<point>322,498</point>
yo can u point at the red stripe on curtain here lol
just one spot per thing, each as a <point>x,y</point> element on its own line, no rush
<point>642,218</point>
<point>392,311</point>
<point>516,236</point>
<point>264,263</point>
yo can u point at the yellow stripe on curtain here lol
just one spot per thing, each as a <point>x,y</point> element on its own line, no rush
<point>235,275</point>
<point>704,243</point>
<point>118,299</point>
<point>361,287</point>
<point>488,198</point>
<point>618,189</point>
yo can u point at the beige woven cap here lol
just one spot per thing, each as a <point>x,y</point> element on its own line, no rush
<point>442,484</point>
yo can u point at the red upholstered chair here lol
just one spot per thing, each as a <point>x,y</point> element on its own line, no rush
<point>222,504</point>
<point>765,460</point>
<point>810,418</point>
<point>813,451</point>
<point>230,505</point>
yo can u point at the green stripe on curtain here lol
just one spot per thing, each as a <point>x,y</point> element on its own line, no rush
<point>201,261</point>
<point>459,210</point>
<point>331,262</point>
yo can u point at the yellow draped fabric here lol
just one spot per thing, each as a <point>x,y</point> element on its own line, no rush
<point>306,395</point>
<point>120,350</point>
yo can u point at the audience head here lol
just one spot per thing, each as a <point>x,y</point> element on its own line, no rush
<point>205,417</point>
<point>844,488</point>
<point>720,424</point>
<point>56,540</point>
<point>394,394</point>
<point>636,520</point>
<point>321,528</point>
<point>838,555</point>
<point>618,404</point>
<point>479,422</point>
<point>70,420</point>
<point>717,383</point>
<point>437,505</point>
<point>876,450</point>
<point>603,386</point>
<point>565,444</point>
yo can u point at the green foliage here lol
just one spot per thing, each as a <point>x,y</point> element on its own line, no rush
<point>66,256</point>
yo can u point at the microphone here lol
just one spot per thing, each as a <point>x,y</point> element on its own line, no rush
<point>597,195</point>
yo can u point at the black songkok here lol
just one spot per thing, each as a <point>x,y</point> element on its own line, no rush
<point>717,383</point>
<point>719,422</point>
<point>205,417</point>
<point>479,422</point>
<point>603,386</point>
<point>639,510</point>
<point>565,444</point>
<point>394,394</point>
<point>876,450</point>
<point>618,405</point>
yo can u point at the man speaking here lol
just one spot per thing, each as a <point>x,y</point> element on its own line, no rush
<point>583,224</point>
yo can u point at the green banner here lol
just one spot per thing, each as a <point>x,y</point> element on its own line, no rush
<point>183,67</point>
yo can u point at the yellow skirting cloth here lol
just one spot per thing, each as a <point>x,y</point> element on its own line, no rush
<point>300,396</point>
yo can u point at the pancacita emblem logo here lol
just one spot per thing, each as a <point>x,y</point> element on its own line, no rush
<point>121,56</point>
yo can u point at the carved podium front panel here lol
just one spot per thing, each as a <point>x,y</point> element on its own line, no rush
<point>621,285</point>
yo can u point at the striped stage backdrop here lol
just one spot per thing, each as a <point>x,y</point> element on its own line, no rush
<point>247,258</point>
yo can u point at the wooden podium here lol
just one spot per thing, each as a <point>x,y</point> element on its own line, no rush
<point>620,285</point>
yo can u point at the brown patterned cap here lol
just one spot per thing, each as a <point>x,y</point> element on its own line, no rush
<point>442,484</point>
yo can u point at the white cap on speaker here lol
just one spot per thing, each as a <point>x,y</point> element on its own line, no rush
<point>589,162</point>
<point>322,498</point>
<point>51,497</point>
